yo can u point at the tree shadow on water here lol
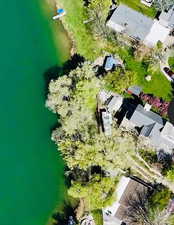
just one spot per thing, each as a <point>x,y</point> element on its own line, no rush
<point>51,74</point>
<point>56,71</point>
<point>61,218</point>
<point>72,63</point>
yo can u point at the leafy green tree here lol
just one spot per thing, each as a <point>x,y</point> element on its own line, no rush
<point>106,152</point>
<point>170,174</point>
<point>119,80</point>
<point>98,192</point>
<point>98,12</point>
<point>59,94</point>
<point>143,209</point>
<point>73,97</point>
<point>79,140</point>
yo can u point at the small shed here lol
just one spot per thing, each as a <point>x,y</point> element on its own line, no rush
<point>134,90</point>
<point>111,62</point>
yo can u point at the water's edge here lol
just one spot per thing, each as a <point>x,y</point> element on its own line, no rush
<point>32,171</point>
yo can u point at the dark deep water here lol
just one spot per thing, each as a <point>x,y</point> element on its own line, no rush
<point>31,182</point>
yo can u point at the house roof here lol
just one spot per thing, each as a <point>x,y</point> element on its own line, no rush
<point>155,127</point>
<point>111,62</point>
<point>150,122</point>
<point>107,121</point>
<point>167,18</point>
<point>146,130</point>
<point>133,23</point>
<point>168,133</point>
<point>104,95</point>
<point>126,188</point>
<point>157,33</point>
<point>136,90</point>
<point>115,103</point>
<point>130,189</point>
<point>141,117</point>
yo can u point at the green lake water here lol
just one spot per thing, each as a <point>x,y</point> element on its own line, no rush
<point>31,171</point>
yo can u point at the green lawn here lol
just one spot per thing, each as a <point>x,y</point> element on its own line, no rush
<point>90,48</point>
<point>158,86</point>
<point>73,21</point>
<point>137,5</point>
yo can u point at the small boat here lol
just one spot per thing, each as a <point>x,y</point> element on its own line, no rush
<point>60,13</point>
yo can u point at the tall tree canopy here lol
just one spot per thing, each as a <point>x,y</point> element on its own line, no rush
<point>74,98</point>
<point>99,192</point>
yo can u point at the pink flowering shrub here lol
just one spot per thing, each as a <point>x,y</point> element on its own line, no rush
<point>158,103</point>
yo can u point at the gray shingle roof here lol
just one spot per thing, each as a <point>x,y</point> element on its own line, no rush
<point>136,24</point>
<point>146,130</point>
<point>150,122</point>
<point>167,18</point>
<point>155,127</point>
<point>136,90</point>
<point>141,117</point>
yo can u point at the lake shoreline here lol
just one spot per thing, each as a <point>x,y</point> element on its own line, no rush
<point>49,9</point>
<point>30,161</point>
<point>53,5</point>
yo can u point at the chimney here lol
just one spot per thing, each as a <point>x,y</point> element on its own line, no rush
<point>147,107</point>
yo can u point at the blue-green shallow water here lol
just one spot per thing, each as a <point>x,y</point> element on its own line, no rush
<point>31,172</point>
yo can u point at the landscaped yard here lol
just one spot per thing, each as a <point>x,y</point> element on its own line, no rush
<point>137,5</point>
<point>90,48</point>
<point>158,86</point>
<point>74,23</point>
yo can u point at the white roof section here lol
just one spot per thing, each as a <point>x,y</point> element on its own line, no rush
<point>167,18</point>
<point>168,132</point>
<point>157,33</point>
<point>108,220</point>
<point>133,23</point>
<point>111,210</point>
<point>124,181</point>
<point>147,107</point>
<point>115,26</point>
<point>104,95</point>
<point>115,103</point>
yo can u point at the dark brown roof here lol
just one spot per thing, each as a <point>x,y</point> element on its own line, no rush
<point>120,212</point>
<point>132,188</point>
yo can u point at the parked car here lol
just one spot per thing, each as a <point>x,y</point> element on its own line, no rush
<point>169,72</point>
